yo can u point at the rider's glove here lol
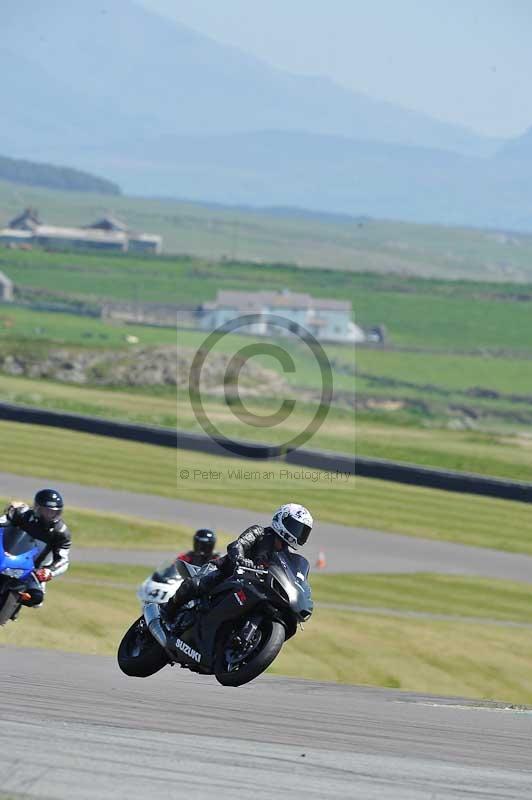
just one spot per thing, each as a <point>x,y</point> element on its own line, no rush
<point>248,563</point>
<point>43,574</point>
<point>12,508</point>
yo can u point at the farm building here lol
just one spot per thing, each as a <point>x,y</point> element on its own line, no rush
<point>27,221</point>
<point>57,238</point>
<point>108,223</point>
<point>105,234</point>
<point>326,320</point>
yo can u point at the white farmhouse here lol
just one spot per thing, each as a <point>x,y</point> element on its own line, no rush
<point>326,320</point>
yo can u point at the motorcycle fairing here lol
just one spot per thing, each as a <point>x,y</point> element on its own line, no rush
<point>16,551</point>
<point>288,579</point>
<point>227,606</point>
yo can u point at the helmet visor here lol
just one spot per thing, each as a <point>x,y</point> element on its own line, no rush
<point>204,542</point>
<point>298,529</point>
<point>48,514</point>
<point>203,548</point>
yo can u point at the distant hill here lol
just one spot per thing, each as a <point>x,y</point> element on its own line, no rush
<point>307,239</point>
<point>32,173</point>
<point>333,174</point>
<point>519,149</point>
<point>164,111</point>
<point>112,73</point>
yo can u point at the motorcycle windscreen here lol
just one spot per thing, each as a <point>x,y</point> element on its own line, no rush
<point>18,542</point>
<point>166,573</point>
<point>300,565</point>
<point>296,564</point>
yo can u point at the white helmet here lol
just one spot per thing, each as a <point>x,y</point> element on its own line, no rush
<point>293,523</point>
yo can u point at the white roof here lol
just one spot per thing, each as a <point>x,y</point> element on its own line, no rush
<point>16,233</point>
<point>80,234</point>
<point>145,237</point>
<point>247,301</point>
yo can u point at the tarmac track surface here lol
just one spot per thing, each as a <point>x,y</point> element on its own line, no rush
<point>347,549</point>
<point>73,726</point>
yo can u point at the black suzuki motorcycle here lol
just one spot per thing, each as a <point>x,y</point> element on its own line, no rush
<point>235,633</point>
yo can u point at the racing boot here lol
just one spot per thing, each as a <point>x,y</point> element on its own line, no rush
<point>188,591</point>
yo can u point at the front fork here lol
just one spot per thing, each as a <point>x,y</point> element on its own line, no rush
<point>247,633</point>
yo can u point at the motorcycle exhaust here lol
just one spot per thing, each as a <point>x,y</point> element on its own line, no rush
<point>152,615</point>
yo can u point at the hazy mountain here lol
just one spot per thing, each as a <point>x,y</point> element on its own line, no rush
<point>519,149</point>
<point>113,88</point>
<point>110,69</point>
<point>331,173</point>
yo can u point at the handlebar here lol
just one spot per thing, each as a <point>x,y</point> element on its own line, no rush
<point>257,571</point>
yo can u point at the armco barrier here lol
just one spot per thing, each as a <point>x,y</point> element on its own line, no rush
<point>465,482</point>
<point>146,434</point>
<point>167,437</point>
<point>200,443</point>
<point>413,474</point>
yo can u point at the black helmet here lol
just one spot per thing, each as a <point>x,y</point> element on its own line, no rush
<point>48,505</point>
<point>204,541</point>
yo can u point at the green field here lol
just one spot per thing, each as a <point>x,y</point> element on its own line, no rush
<point>22,328</point>
<point>481,390</point>
<point>503,453</point>
<point>436,314</point>
<point>458,356</point>
<point>89,609</point>
<point>215,232</point>
<point>414,511</point>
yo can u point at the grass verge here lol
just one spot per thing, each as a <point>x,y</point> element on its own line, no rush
<point>437,657</point>
<point>404,434</point>
<point>261,486</point>
<point>91,529</point>
<point>430,593</point>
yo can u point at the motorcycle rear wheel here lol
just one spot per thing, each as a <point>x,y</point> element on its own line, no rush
<point>139,655</point>
<point>273,636</point>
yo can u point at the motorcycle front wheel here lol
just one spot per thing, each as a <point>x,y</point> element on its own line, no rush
<point>139,655</point>
<point>9,605</point>
<point>231,671</point>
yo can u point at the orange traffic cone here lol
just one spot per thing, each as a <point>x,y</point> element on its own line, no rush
<point>321,561</point>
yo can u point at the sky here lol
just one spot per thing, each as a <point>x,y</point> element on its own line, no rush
<point>463,61</point>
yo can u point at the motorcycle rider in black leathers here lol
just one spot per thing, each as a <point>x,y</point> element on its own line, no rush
<point>43,522</point>
<point>204,541</point>
<point>291,526</point>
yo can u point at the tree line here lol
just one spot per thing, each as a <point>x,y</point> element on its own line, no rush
<point>52,177</point>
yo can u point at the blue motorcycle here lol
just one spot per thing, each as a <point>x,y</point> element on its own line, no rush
<point>18,552</point>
